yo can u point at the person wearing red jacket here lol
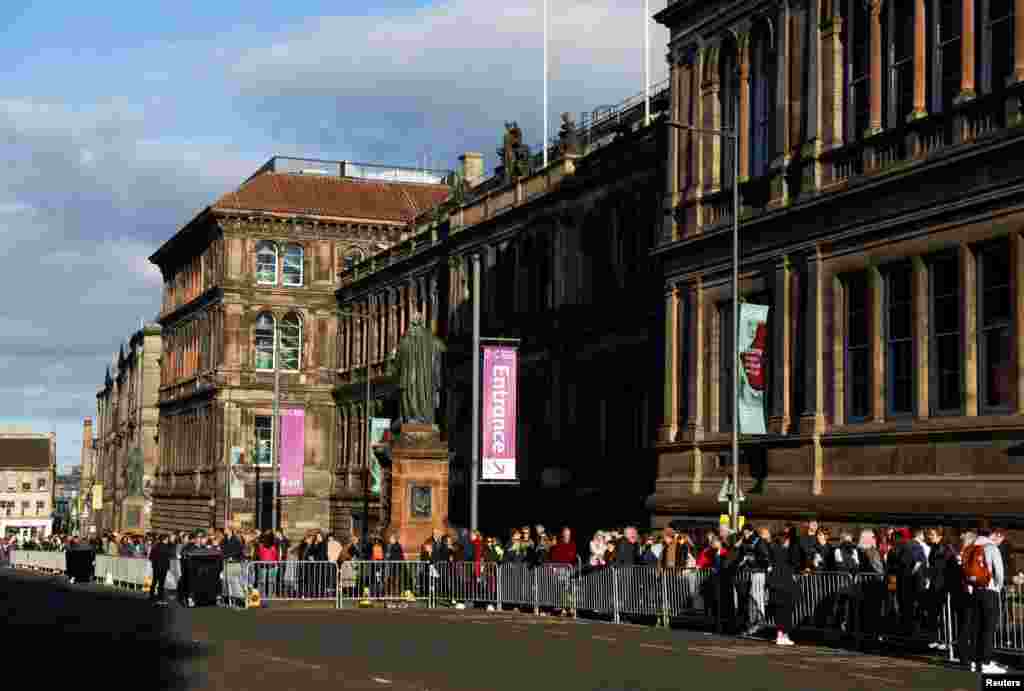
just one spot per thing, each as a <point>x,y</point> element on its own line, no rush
<point>565,551</point>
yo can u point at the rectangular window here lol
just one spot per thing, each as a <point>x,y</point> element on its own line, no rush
<point>945,361</point>
<point>12,483</point>
<point>948,53</point>
<point>25,507</point>
<point>858,348</point>
<point>41,483</point>
<point>997,67</point>
<point>40,507</point>
<point>264,425</point>
<point>899,331</point>
<point>900,30</point>
<point>995,327</point>
<point>292,270</point>
<point>858,70</point>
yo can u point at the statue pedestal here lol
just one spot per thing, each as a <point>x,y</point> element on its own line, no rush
<point>419,486</point>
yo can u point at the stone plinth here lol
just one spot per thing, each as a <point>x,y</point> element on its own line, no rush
<point>419,485</point>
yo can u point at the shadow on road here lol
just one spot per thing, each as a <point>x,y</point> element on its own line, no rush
<point>80,633</point>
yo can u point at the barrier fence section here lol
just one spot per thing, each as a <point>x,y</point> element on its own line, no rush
<point>865,608</point>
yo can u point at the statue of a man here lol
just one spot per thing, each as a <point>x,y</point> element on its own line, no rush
<point>134,473</point>
<point>419,372</point>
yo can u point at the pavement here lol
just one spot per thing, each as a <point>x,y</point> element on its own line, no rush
<point>284,648</point>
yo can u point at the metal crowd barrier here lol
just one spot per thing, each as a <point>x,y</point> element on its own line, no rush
<point>405,583</point>
<point>290,580</point>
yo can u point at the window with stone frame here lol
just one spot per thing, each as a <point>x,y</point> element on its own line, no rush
<point>899,57</point>
<point>40,483</point>
<point>292,265</point>
<point>947,65</point>
<point>25,506</point>
<point>40,507</point>
<point>857,27</point>
<point>996,63</point>
<point>265,341</point>
<point>995,328</point>
<point>858,368</point>
<point>290,341</point>
<point>762,98</point>
<point>728,100</point>
<point>945,356</point>
<point>266,263</point>
<point>263,428</point>
<point>12,482</point>
<point>899,340</point>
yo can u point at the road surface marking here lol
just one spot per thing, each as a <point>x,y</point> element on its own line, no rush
<point>381,680</point>
<point>868,676</point>
<point>604,638</point>
<point>296,663</point>
<point>655,646</point>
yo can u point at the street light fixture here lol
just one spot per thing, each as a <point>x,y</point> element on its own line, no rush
<point>733,133</point>
<point>366,474</point>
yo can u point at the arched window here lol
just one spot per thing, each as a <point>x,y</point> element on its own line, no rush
<point>899,42</point>
<point>266,263</point>
<point>292,269</point>
<point>291,341</point>
<point>857,26</point>
<point>728,97</point>
<point>265,341</point>
<point>762,98</point>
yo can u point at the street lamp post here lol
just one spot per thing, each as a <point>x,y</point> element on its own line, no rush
<point>366,474</point>
<point>734,133</point>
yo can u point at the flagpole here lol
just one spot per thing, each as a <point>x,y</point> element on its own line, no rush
<point>544,144</point>
<point>647,63</point>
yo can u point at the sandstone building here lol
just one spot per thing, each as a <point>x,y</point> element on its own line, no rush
<point>86,479</point>
<point>28,473</point>
<point>265,258</point>
<point>881,222</point>
<point>563,252</point>
<point>126,421</point>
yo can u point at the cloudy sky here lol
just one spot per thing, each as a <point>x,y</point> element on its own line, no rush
<point>121,119</point>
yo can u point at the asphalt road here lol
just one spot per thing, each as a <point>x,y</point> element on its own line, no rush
<point>88,633</point>
<point>448,650</point>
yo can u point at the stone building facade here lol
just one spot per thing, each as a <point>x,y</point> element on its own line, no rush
<point>564,261</point>
<point>86,478</point>
<point>126,430</point>
<point>881,221</point>
<point>28,474</point>
<point>257,267</point>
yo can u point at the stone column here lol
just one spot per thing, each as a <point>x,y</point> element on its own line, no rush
<point>670,410</point>
<point>920,64</point>
<point>812,418</point>
<point>921,349</point>
<point>969,280</point>
<point>695,360</point>
<point>689,161</point>
<point>1018,40</point>
<point>967,52</point>
<point>779,417</point>
<point>669,228</point>
<point>876,66</point>
<point>743,60</point>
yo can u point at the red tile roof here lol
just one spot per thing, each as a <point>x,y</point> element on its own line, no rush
<point>319,195</point>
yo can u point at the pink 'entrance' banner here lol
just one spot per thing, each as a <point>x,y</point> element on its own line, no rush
<point>293,451</point>
<point>498,399</point>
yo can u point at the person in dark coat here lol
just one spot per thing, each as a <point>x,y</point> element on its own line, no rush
<point>232,546</point>
<point>786,556</point>
<point>160,559</point>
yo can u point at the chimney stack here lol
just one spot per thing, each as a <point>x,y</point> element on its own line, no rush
<point>472,168</point>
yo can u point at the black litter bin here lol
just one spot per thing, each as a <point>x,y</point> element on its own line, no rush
<point>81,560</point>
<point>203,576</point>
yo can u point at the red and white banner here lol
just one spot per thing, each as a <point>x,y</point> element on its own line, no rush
<point>499,393</point>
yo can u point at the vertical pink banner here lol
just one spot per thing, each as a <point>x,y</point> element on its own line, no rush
<point>498,398</point>
<point>293,451</point>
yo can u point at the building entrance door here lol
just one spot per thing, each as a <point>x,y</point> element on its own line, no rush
<point>266,504</point>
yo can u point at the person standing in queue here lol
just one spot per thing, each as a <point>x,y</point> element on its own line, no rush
<point>160,559</point>
<point>786,557</point>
